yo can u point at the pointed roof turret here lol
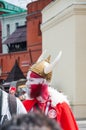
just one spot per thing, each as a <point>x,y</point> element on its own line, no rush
<point>15,74</point>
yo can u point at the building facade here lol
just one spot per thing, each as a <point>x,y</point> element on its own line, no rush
<point>64,29</point>
<point>9,25</point>
<point>33,38</point>
<point>0,38</point>
<point>11,17</point>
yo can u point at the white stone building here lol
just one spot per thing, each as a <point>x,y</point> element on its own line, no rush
<point>10,22</point>
<point>64,28</point>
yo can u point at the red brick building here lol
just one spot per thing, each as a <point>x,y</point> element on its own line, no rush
<point>0,39</point>
<point>33,41</point>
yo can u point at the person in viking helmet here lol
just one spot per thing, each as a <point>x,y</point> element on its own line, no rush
<point>43,98</point>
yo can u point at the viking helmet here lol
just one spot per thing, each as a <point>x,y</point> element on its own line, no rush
<point>44,68</point>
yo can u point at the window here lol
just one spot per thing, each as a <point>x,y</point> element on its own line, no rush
<point>17,47</point>
<point>8,30</point>
<point>39,30</point>
<point>1,5</point>
<point>25,22</point>
<point>16,24</point>
<point>0,33</point>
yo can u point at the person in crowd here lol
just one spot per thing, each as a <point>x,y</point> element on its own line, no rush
<point>21,91</point>
<point>12,90</point>
<point>42,96</point>
<point>30,121</point>
<point>9,105</point>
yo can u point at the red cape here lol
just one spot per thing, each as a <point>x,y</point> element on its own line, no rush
<point>64,117</point>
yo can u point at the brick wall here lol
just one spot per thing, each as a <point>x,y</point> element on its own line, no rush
<point>0,38</point>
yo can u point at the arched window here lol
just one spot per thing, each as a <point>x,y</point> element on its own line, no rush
<point>39,30</point>
<point>1,5</point>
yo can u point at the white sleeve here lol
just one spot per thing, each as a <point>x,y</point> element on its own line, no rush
<point>20,107</point>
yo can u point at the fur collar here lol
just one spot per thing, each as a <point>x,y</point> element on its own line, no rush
<point>57,97</point>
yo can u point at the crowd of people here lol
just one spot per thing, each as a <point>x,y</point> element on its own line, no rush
<point>30,121</point>
<point>36,96</point>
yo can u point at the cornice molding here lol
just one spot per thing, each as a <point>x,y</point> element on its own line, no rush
<point>74,9</point>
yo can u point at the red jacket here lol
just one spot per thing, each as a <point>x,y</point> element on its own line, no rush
<point>64,114</point>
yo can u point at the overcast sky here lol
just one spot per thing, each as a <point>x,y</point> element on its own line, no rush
<point>20,3</point>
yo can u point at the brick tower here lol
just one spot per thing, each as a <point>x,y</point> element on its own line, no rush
<point>0,38</point>
<point>34,19</point>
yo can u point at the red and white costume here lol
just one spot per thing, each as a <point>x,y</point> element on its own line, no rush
<point>51,102</point>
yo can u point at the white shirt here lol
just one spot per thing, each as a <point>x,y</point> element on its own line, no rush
<point>5,108</point>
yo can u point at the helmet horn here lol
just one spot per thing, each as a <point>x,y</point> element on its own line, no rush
<point>41,56</point>
<point>50,67</point>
